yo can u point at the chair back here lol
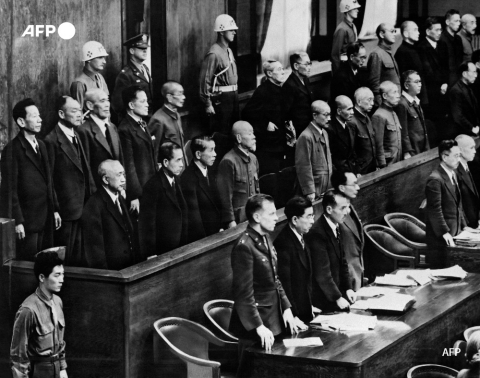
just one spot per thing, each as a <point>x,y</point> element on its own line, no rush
<point>431,371</point>
<point>188,152</point>
<point>218,313</point>
<point>408,226</point>
<point>60,251</point>
<point>268,184</point>
<point>468,332</point>
<point>286,186</point>
<point>386,239</point>
<point>458,360</point>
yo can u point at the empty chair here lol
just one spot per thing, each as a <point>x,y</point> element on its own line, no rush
<point>179,343</point>
<point>458,360</point>
<point>431,371</point>
<point>268,184</point>
<point>188,152</point>
<point>468,332</point>
<point>218,313</point>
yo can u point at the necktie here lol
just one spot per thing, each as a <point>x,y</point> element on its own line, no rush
<point>208,180</point>
<point>144,71</point>
<point>302,241</point>
<point>455,183</point>
<point>108,137</point>
<point>75,144</point>
<point>174,188</point>
<point>143,125</point>
<point>338,236</point>
<point>117,202</point>
<point>36,148</point>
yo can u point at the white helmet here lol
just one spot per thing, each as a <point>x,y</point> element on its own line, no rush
<point>224,22</point>
<point>91,50</point>
<point>348,5</point>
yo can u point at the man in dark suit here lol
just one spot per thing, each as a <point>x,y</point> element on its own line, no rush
<point>294,261</point>
<point>264,112</point>
<point>351,75</point>
<point>463,103</point>
<point>468,189</point>
<point>200,190</point>
<point>341,135</point>
<point>351,229</point>
<point>137,145</point>
<point>261,308</point>
<point>26,191</point>
<point>451,48</point>
<point>410,115</point>
<point>72,178</point>
<point>365,147</point>
<point>110,240</point>
<point>332,284</point>
<point>163,220</point>
<point>444,217</point>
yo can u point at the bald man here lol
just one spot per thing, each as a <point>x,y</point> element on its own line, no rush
<point>100,138</point>
<point>381,65</point>
<point>238,175</point>
<point>313,160</point>
<point>342,136</point>
<point>468,189</point>
<point>166,124</point>
<point>469,25</point>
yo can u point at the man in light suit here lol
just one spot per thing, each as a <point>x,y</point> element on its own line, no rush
<point>444,217</point>
<point>99,136</point>
<point>313,160</point>
<point>72,178</point>
<point>294,257</point>
<point>351,229</point>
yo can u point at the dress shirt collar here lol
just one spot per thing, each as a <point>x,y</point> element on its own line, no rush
<point>135,117</point>
<point>464,164</point>
<point>69,132</point>
<point>299,237</point>
<point>172,112</point>
<point>31,139</point>
<point>113,196</point>
<point>137,66</point>
<point>170,179</point>
<point>411,99</point>
<point>101,123</point>
<point>332,225</point>
<point>433,43</point>
<point>204,170</point>
<point>342,123</point>
<point>450,173</point>
<point>245,152</point>
<point>41,294</point>
<point>316,127</point>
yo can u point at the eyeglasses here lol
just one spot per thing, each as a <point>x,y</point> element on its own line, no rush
<point>309,64</point>
<point>309,216</point>
<point>415,81</point>
<point>351,185</point>
<point>322,114</point>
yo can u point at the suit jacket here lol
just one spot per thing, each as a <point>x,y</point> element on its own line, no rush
<point>414,129</point>
<point>204,216</point>
<point>96,146</point>
<point>353,242</point>
<point>463,109</point>
<point>295,272</point>
<point>258,293</point>
<point>72,178</point>
<point>382,66</point>
<point>26,191</point>
<point>388,136</point>
<point>297,101</point>
<point>345,82</point>
<point>313,160</point>
<point>408,58</point>
<point>166,126</point>
<point>444,209</point>
<point>466,45</point>
<point>140,162</point>
<point>163,219</point>
<point>108,235</point>
<point>470,197</point>
<point>365,147</point>
<point>331,277</point>
<point>342,145</point>
<point>451,50</point>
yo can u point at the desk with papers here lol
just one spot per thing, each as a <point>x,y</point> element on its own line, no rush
<point>442,311</point>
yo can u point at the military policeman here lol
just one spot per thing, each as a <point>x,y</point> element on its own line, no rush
<point>38,349</point>
<point>134,73</point>
<point>218,78</point>
<point>345,33</point>
<point>93,54</point>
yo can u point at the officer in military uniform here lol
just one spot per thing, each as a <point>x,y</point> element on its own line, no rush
<point>345,33</point>
<point>218,78</point>
<point>93,54</point>
<point>134,73</point>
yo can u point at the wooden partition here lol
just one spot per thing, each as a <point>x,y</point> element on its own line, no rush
<point>109,314</point>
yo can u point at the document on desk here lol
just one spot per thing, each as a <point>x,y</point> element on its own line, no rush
<point>346,322</point>
<point>455,272</point>
<point>390,302</point>
<point>420,276</point>
<point>394,280</point>
<point>306,342</point>
<point>375,291</point>
<point>468,237</point>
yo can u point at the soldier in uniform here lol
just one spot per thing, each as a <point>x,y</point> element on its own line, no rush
<point>134,73</point>
<point>218,78</point>
<point>38,349</point>
<point>93,54</point>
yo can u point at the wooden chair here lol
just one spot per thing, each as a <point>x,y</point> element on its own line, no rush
<point>268,185</point>
<point>60,251</point>
<point>468,332</point>
<point>286,186</point>
<point>188,152</point>
<point>458,361</point>
<point>386,251</point>
<point>218,313</point>
<point>431,371</point>
<point>189,342</point>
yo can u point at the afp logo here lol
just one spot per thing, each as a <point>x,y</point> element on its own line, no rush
<point>65,30</point>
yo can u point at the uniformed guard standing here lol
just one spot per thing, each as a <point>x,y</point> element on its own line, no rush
<point>134,73</point>
<point>218,78</point>
<point>345,33</point>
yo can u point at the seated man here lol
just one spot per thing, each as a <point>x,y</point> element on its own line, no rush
<point>294,257</point>
<point>332,283</point>
<point>110,240</point>
<point>444,217</point>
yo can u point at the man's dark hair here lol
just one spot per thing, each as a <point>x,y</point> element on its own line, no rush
<point>129,94</point>
<point>255,203</point>
<point>446,145</point>
<point>329,198</point>
<point>45,262</point>
<point>60,102</point>
<point>294,58</point>
<point>476,56</point>
<point>354,48</point>
<point>430,21</point>
<point>463,68</point>
<point>20,108</point>
<point>166,151</point>
<point>380,28</point>
<point>296,207</point>
<point>406,75</point>
<point>450,13</point>
<point>199,144</point>
<point>339,177</point>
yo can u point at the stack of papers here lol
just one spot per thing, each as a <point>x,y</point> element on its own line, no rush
<point>421,277</point>
<point>346,322</point>
<point>375,291</point>
<point>306,342</point>
<point>455,272</point>
<point>395,280</point>
<point>469,237</point>
<point>390,302</point>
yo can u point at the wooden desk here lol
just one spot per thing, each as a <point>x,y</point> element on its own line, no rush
<point>467,258</point>
<point>442,311</point>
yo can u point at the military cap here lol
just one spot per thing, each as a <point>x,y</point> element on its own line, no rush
<point>140,40</point>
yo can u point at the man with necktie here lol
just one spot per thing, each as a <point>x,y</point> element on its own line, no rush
<point>72,178</point>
